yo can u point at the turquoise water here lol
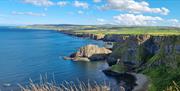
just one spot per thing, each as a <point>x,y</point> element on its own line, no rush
<point>26,54</point>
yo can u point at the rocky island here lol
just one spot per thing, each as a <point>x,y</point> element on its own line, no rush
<point>90,52</point>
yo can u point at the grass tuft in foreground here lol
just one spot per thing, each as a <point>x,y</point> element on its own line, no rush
<point>174,87</point>
<point>66,86</point>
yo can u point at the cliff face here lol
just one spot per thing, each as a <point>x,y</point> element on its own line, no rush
<point>155,56</point>
<point>84,35</point>
<point>90,50</point>
<point>142,50</point>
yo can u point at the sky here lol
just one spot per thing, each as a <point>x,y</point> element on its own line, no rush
<point>91,12</point>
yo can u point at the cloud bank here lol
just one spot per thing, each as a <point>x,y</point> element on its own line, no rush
<point>133,7</point>
<point>62,3</point>
<point>81,4</point>
<point>28,13</point>
<point>131,19</point>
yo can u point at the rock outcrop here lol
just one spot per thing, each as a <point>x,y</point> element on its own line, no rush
<point>91,52</point>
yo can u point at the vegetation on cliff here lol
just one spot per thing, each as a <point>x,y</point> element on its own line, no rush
<point>165,65</point>
<point>157,57</point>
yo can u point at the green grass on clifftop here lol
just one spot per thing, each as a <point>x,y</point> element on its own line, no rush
<point>109,29</point>
<point>136,31</point>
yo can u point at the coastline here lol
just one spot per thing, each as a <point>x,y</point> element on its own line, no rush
<point>139,53</point>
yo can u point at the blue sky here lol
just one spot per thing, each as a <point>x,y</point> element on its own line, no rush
<point>119,12</point>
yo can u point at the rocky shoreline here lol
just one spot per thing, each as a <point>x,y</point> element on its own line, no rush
<point>84,35</point>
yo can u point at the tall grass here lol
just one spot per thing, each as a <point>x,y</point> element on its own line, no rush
<point>67,86</point>
<point>174,87</point>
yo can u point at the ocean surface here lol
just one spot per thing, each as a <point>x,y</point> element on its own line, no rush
<point>27,54</point>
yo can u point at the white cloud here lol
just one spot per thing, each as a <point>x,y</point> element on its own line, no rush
<point>133,6</point>
<point>101,20</point>
<point>141,20</point>
<point>28,13</point>
<point>138,20</point>
<point>81,4</point>
<point>97,1</point>
<point>173,22</point>
<point>62,3</point>
<point>44,3</point>
<point>80,12</point>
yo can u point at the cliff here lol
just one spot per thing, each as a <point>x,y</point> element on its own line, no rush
<point>83,34</point>
<point>155,56</point>
<point>140,49</point>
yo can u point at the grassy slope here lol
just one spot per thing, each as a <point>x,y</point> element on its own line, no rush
<point>164,74</point>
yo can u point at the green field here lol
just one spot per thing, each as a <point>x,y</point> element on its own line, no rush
<point>136,31</point>
<point>160,31</point>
